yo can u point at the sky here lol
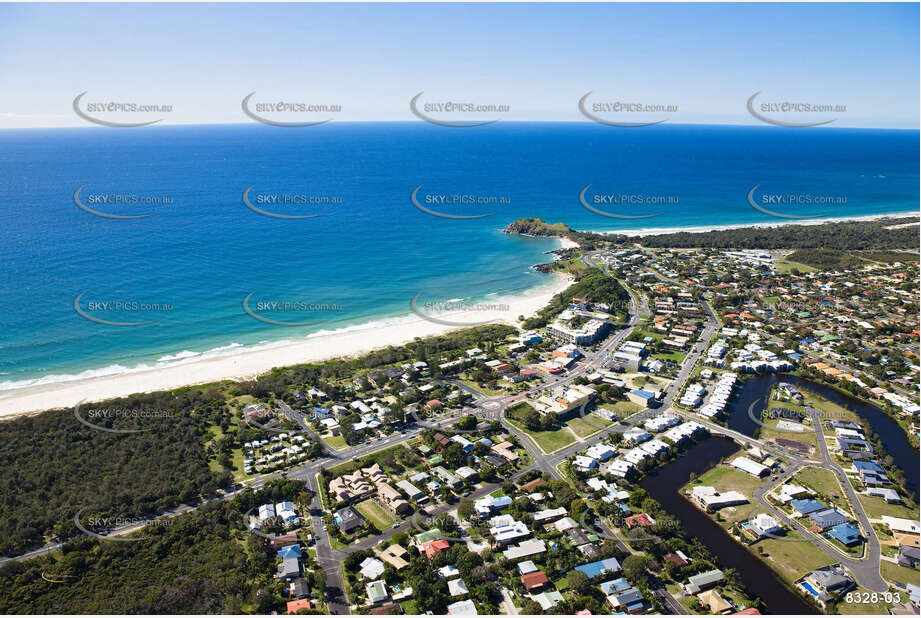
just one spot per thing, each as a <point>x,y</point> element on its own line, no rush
<point>703,60</point>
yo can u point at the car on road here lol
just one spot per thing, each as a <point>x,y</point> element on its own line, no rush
<point>395,526</point>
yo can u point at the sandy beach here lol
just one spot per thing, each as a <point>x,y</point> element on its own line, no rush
<point>713,228</point>
<point>247,363</point>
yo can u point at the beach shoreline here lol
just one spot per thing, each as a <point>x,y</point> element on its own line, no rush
<point>248,362</point>
<point>653,231</point>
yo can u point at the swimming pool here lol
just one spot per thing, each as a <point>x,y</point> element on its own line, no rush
<point>810,589</point>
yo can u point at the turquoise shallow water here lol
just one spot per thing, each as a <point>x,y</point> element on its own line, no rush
<point>372,250</point>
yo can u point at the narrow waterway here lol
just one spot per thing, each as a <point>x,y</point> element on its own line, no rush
<point>663,484</point>
<point>760,581</point>
<point>758,388</point>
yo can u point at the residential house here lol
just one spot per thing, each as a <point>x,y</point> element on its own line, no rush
<point>702,581</point>
<point>348,519</point>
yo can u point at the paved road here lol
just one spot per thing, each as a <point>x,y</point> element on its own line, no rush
<point>486,406</point>
<point>865,570</point>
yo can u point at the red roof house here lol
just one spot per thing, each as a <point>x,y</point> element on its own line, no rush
<point>433,547</point>
<point>640,519</point>
<point>534,580</point>
<point>293,606</point>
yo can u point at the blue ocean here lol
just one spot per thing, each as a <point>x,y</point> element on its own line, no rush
<point>173,283</point>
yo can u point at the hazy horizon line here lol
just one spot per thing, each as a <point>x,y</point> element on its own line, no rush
<point>423,123</point>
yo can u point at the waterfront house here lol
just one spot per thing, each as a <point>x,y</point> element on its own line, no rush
<point>891,496</point>
<point>827,583</point>
<point>712,600</point>
<point>702,581</point>
<point>711,500</point>
<point>763,525</point>
<point>747,465</point>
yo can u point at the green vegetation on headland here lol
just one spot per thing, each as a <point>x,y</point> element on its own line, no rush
<point>587,241</point>
<point>538,227</point>
<point>879,234</point>
<point>833,259</point>
<point>202,562</point>
<point>597,286</point>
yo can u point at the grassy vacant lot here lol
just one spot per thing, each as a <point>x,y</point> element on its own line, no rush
<point>549,441</point>
<point>623,409</point>
<point>784,267</point>
<point>895,573</point>
<point>640,334</point>
<point>337,442</point>
<point>769,430</point>
<point>483,389</point>
<point>832,411</point>
<point>586,426</point>
<point>877,507</point>
<point>376,514</point>
<point>793,557</point>
<point>821,481</point>
<point>726,478</point>
<point>367,460</point>
<point>670,355</point>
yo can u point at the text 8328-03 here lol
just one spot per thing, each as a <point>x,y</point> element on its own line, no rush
<point>872,597</point>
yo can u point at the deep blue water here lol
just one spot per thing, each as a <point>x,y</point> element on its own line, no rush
<point>206,251</point>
